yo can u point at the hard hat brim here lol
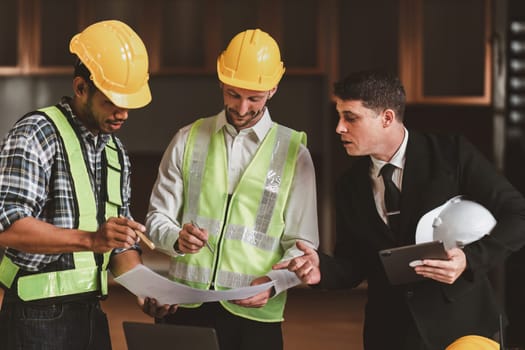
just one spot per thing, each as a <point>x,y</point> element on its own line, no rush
<point>425,229</point>
<point>266,85</point>
<point>135,100</point>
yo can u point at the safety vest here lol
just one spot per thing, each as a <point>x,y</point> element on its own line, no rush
<point>245,229</point>
<point>87,276</point>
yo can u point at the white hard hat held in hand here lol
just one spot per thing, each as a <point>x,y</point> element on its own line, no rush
<point>457,223</point>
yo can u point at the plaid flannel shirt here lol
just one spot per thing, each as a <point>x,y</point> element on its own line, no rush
<point>34,181</point>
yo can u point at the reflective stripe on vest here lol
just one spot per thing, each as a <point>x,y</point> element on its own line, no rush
<point>86,276</point>
<point>251,227</point>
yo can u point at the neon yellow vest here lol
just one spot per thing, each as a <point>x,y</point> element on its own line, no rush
<point>247,231</point>
<point>86,276</point>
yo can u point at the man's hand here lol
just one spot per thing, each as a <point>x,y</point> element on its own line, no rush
<point>258,300</point>
<point>150,307</point>
<point>192,239</point>
<point>116,233</point>
<point>446,271</point>
<point>306,267</point>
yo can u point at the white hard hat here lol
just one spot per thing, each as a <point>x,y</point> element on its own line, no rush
<point>457,222</point>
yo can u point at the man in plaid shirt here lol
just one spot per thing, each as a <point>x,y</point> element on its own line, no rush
<point>64,199</point>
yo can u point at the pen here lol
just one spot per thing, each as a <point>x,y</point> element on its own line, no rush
<point>206,242</point>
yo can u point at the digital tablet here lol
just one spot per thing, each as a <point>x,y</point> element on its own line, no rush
<point>399,262</point>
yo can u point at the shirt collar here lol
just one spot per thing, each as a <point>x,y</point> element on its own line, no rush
<point>398,159</point>
<point>260,129</point>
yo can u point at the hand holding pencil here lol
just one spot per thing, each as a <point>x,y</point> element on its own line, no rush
<point>145,239</point>
<point>205,242</point>
<point>141,236</point>
<point>192,239</point>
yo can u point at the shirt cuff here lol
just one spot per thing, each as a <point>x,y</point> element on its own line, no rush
<point>176,249</point>
<point>133,247</point>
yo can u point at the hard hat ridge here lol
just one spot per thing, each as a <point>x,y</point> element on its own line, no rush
<point>473,342</point>
<point>251,61</point>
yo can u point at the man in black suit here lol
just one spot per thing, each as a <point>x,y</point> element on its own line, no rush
<point>455,298</point>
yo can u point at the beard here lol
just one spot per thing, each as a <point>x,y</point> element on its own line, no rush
<point>242,121</point>
<point>88,117</point>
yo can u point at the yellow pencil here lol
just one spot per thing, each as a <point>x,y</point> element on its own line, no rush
<point>145,239</point>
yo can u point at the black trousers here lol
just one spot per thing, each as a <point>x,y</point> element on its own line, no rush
<point>234,332</point>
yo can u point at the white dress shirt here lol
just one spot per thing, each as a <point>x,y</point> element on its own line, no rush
<point>378,186</point>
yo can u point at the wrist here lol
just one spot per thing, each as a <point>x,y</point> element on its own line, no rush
<point>177,249</point>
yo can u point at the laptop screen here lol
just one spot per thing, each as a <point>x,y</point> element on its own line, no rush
<point>147,336</point>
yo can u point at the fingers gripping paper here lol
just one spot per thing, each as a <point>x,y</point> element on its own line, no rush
<point>143,282</point>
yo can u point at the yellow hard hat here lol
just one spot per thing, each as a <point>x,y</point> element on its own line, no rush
<point>473,342</point>
<point>251,61</point>
<point>117,60</point>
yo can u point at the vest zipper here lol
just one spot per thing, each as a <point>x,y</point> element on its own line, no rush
<point>219,245</point>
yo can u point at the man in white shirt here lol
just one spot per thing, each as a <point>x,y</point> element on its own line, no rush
<point>234,194</point>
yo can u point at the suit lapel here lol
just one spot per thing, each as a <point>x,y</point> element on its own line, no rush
<point>416,175</point>
<point>368,203</point>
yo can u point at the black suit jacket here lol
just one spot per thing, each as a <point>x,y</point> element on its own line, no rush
<point>436,169</point>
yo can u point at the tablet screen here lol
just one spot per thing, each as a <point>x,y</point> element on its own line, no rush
<point>398,261</point>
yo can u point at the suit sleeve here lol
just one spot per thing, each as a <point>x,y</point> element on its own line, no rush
<point>345,268</point>
<point>481,182</point>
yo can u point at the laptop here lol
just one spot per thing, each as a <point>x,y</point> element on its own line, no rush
<point>147,336</point>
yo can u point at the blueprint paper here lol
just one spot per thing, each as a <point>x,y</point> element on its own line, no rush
<point>144,282</point>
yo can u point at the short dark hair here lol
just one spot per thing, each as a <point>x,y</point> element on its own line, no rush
<point>377,90</point>
<point>82,71</point>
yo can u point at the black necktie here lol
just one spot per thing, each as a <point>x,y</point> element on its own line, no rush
<point>392,197</point>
